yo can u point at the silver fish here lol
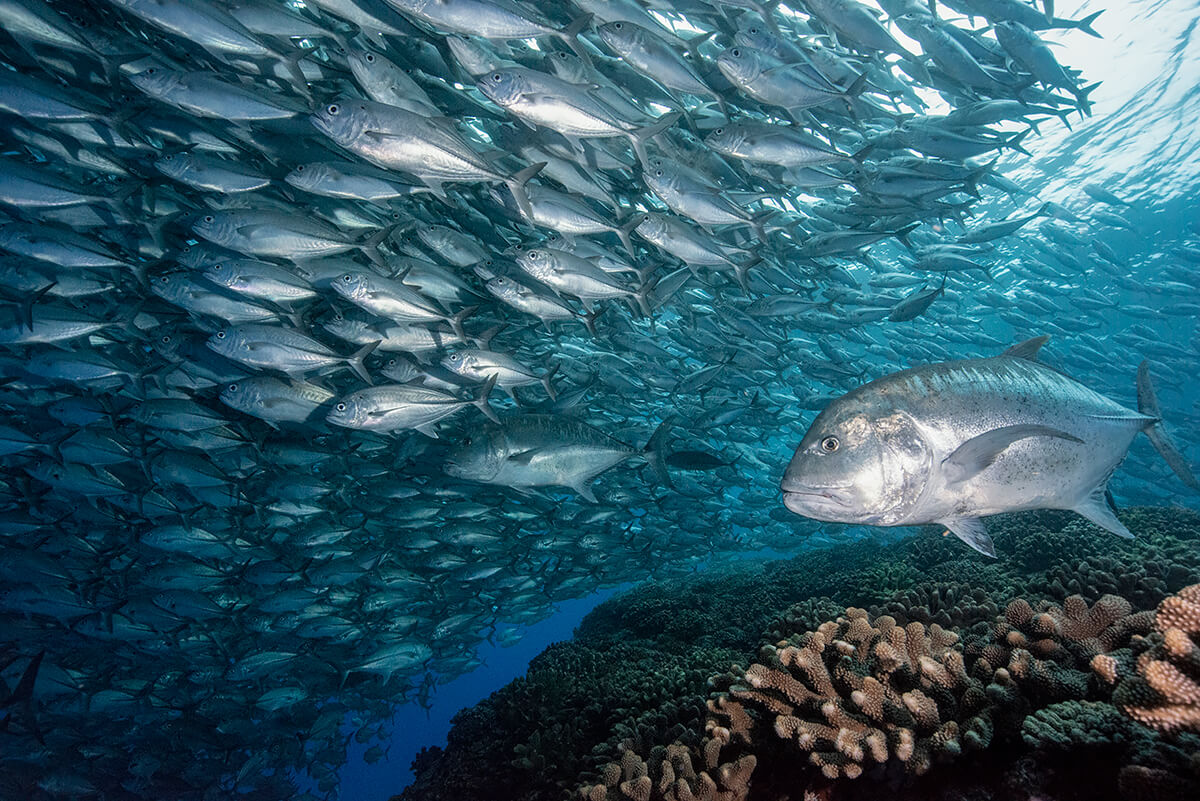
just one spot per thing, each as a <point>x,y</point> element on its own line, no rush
<point>390,408</point>
<point>953,442</point>
<point>548,451</point>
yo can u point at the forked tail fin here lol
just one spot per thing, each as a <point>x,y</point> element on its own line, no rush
<point>1148,405</point>
<point>653,452</point>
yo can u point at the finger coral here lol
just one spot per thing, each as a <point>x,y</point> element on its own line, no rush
<point>861,690</point>
<point>1164,693</point>
<point>671,774</point>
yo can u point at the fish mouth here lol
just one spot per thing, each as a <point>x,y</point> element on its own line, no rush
<point>321,124</point>
<point>816,502</point>
<point>492,93</point>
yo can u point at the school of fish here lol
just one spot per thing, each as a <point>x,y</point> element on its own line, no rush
<point>340,336</point>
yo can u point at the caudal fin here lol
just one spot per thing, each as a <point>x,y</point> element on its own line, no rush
<point>1148,405</point>
<point>1084,24</point>
<point>481,400</point>
<point>356,362</point>
<point>653,452</point>
<point>516,185</point>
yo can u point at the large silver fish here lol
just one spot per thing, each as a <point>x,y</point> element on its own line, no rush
<point>953,442</point>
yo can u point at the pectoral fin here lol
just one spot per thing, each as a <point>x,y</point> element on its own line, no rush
<point>977,453</point>
<point>586,491</point>
<point>1027,349</point>
<point>523,457</point>
<point>971,531</point>
<point>1097,509</point>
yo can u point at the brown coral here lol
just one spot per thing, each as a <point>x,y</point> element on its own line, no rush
<point>671,774</point>
<point>1165,691</point>
<point>861,691</point>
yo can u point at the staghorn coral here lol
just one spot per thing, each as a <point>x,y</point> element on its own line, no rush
<point>1162,770</point>
<point>532,739</point>
<point>1164,693</point>
<point>804,616</point>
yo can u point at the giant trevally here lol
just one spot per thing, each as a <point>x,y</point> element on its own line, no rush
<point>541,450</point>
<point>950,443</point>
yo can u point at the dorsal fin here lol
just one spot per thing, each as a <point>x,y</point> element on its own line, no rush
<point>1027,349</point>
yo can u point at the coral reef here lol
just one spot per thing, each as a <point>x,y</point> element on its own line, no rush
<point>671,774</point>
<point>533,738</point>
<point>858,690</point>
<point>1164,692</point>
<point>916,672</point>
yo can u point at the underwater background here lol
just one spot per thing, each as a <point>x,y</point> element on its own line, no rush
<point>218,582</point>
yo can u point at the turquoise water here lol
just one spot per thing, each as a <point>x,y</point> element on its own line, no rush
<point>206,596</point>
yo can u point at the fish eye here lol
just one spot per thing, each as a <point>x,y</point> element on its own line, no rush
<point>166,279</point>
<point>718,131</point>
<point>347,278</point>
<point>646,218</point>
<point>533,254</point>
<point>369,58</point>
<point>152,70</point>
<point>617,26</point>
<point>334,109</point>
<point>166,338</point>
<point>658,173</point>
<point>208,218</point>
<point>497,77</point>
<point>300,168</point>
<point>341,407</point>
<point>735,52</point>
<point>454,357</point>
<point>220,335</point>
<point>830,444</point>
<point>233,388</point>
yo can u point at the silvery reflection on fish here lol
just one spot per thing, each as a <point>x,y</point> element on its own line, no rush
<point>267,267</point>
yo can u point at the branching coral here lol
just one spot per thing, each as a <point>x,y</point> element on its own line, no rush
<point>859,691</point>
<point>1027,689</point>
<point>1164,693</point>
<point>1076,724</point>
<point>863,690</point>
<point>949,604</point>
<point>671,774</point>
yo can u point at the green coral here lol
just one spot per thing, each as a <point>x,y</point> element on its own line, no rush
<point>1076,724</point>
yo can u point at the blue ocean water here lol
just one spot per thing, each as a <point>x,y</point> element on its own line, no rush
<point>418,727</point>
<point>213,595</point>
<point>1149,62</point>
